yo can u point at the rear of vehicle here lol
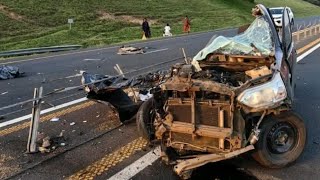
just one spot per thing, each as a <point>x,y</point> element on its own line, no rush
<point>277,15</point>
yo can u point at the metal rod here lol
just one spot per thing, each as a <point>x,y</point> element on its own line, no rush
<point>185,56</point>
<point>120,70</point>
<point>32,146</point>
<point>193,112</point>
<point>221,125</point>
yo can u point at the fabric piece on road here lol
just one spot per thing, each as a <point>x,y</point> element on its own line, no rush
<point>130,50</point>
<point>9,72</point>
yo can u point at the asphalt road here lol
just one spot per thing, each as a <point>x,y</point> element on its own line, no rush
<point>57,70</point>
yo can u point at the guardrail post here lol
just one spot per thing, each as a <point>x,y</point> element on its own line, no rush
<point>32,146</point>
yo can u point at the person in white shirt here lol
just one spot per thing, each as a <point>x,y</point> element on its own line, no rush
<point>167,30</point>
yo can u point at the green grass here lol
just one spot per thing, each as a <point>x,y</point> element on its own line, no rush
<point>45,22</point>
<point>300,8</point>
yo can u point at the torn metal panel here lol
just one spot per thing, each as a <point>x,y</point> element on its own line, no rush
<point>200,160</point>
<point>183,84</point>
<point>258,72</point>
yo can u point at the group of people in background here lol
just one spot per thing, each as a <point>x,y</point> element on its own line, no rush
<point>167,28</point>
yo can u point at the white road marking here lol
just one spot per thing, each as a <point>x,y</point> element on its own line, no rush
<point>23,118</point>
<point>92,60</point>
<point>308,52</point>
<point>138,165</point>
<point>159,50</point>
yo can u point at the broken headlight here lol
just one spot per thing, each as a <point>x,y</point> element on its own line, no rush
<point>264,95</point>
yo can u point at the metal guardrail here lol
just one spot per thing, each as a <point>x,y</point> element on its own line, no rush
<point>38,50</point>
<point>310,31</point>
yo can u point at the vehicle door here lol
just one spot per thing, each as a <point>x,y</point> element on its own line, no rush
<point>289,53</point>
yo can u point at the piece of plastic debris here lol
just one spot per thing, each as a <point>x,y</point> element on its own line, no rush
<point>73,131</point>
<point>84,121</point>
<point>54,119</point>
<point>62,144</point>
<point>46,142</point>
<point>98,115</point>
<point>6,92</point>
<point>43,150</point>
<point>73,123</point>
<point>61,133</point>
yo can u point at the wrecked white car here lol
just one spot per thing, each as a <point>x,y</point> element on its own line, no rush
<point>235,96</point>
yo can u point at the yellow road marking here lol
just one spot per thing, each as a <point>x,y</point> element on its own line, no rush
<point>110,160</point>
<point>46,118</point>
<point>308,46</point>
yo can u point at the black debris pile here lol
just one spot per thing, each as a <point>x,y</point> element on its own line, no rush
<point>9,72</point>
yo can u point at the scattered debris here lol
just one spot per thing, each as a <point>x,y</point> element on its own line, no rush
<point>49,144</point>
<point>84,121</point>
<point>130,50</point>
<point>98,116</point>
<point>6,92</point>
<point>144,96</point>
<point>73,123</point>
<point>9,72</point>
<point>46,142</point>
<point>54,119</point>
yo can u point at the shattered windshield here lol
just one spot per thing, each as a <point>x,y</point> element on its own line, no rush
<point>255,41</point>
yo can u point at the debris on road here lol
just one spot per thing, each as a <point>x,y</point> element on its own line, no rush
<point>6,92</point>
<point>52,143</point>
<point>73,123</point>
<point>9,72</point>
<point>130,50</point>
<point>54,119</point>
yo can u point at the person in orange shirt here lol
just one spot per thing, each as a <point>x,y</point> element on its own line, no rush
<point>186,25</point>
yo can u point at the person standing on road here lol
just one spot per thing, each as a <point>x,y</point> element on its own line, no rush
<point>167,30</point>
<point>146,28</point>
<point>186,25</point>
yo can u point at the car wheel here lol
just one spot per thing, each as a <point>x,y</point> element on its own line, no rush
<point>145,118</point>
<point>282,140</point>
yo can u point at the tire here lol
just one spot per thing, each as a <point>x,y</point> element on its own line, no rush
<point>269,152</point>
<point>145,119</point>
